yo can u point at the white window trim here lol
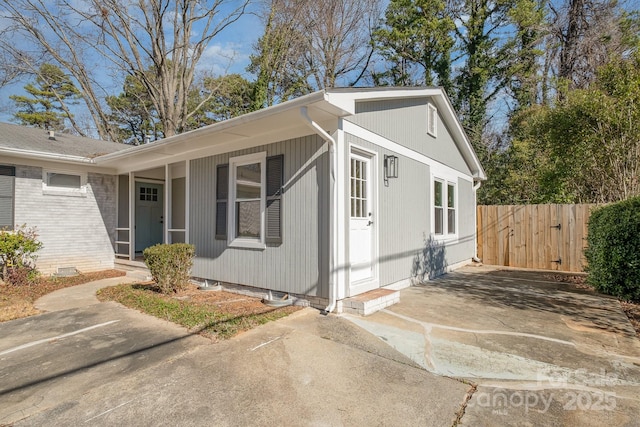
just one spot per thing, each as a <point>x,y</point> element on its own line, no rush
<point>64,191</point>
<point>446,181</point>
<point>234,162</point>
<point>432,111</point>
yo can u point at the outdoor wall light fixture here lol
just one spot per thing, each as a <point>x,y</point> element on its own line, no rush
<point>390,168</point>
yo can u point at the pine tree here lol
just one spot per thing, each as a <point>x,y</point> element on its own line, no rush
<point>50,96</point>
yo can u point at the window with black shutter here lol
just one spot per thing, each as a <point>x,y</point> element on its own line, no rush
<point>7,182</point>
<point>246,206</point>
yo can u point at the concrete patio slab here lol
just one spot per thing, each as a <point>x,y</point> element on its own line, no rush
<point>520,335</point>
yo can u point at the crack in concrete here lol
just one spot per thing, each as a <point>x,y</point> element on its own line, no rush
<point>463,407</point>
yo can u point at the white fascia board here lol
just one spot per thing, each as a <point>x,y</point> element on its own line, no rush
<point>46,160</point>
<point>41,155</point>
<point>459,135</point>
<point>345,98</point>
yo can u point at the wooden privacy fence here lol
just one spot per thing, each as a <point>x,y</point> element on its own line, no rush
<point>551,237</point>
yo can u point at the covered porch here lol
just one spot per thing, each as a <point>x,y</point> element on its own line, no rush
<point>152,207</point>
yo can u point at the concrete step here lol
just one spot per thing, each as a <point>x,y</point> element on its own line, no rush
<point>134,269</point>
<point>369,302</point>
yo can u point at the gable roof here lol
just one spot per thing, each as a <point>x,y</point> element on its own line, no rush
<point>34,142</point>
<point>272,124</point>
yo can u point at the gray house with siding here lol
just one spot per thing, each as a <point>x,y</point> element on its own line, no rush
<point>327,197</point>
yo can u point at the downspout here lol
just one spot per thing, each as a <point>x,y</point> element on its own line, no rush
<point>333,215</point>
<point>476,186</point>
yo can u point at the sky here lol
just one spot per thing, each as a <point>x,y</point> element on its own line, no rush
<point>228,53</point>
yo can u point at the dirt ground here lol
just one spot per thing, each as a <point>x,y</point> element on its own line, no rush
<point>631,309</point>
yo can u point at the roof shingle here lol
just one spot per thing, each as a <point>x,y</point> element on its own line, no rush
<point>37,140</point>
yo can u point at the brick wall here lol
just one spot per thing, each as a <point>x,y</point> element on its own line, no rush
<point>76,230</point>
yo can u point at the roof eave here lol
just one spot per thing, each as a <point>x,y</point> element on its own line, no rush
<point>221,126</point>
<point>41,155</point>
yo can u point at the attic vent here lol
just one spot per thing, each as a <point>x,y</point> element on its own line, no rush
<point>52,135</point>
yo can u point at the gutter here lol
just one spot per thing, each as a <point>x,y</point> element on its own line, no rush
<point>333,205</point>
<point>41,155</point>
<point>476,186</point>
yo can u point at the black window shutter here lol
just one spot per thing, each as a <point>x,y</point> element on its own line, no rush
<point>275,181</point>
<point>7,174</point>
<point>222,196</point>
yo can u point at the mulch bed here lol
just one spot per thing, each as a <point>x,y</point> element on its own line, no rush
<point>234,304</point>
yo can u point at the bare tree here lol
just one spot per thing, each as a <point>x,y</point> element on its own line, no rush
<point>167,36</point>
<point>339,34</point>
<point>585,35</point>
<point>323,44</point>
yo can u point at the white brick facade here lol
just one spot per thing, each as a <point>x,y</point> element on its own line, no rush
<point>77,230</point>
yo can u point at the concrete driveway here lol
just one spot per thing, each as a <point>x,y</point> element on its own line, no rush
<point>101,364</point>
<point>540,352</point>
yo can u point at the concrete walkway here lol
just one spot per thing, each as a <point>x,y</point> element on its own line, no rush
<point>78,296</point>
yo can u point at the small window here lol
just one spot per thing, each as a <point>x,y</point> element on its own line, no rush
<point>444,208</point>
<point>359,207</point>
<point>438,215</point>
<point>451,209</point>
<point>148,194</point>
<point>64,183</point>
<point>63,180</point>
<point>432,120</point>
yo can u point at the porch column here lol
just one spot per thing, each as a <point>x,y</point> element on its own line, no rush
<point>168,203</point>
<point>187,196</point>
<point>132,216</point>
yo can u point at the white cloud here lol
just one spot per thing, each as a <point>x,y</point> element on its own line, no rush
<point>224,58</point>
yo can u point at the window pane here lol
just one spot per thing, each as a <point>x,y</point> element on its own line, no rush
<point>248,219</point>
<point>450,196</point>
<point>451,221</point>
<point>63,180</point>
<point>437,193</point>
<point>439,220</point>
<point>248,181</point>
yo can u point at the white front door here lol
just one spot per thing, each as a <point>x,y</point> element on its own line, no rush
<point>361,236</point>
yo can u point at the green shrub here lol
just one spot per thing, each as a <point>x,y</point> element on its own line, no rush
<point>17,254</point>
<point>613,249</point>
<point>170,265</point>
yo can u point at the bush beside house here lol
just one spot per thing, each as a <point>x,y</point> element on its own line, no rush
<point>170,265</point>
<point>18,254</point>
<point>613,250</point>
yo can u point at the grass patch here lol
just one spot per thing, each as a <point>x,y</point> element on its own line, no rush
<point>214,314</point>
<point>17,301</point>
